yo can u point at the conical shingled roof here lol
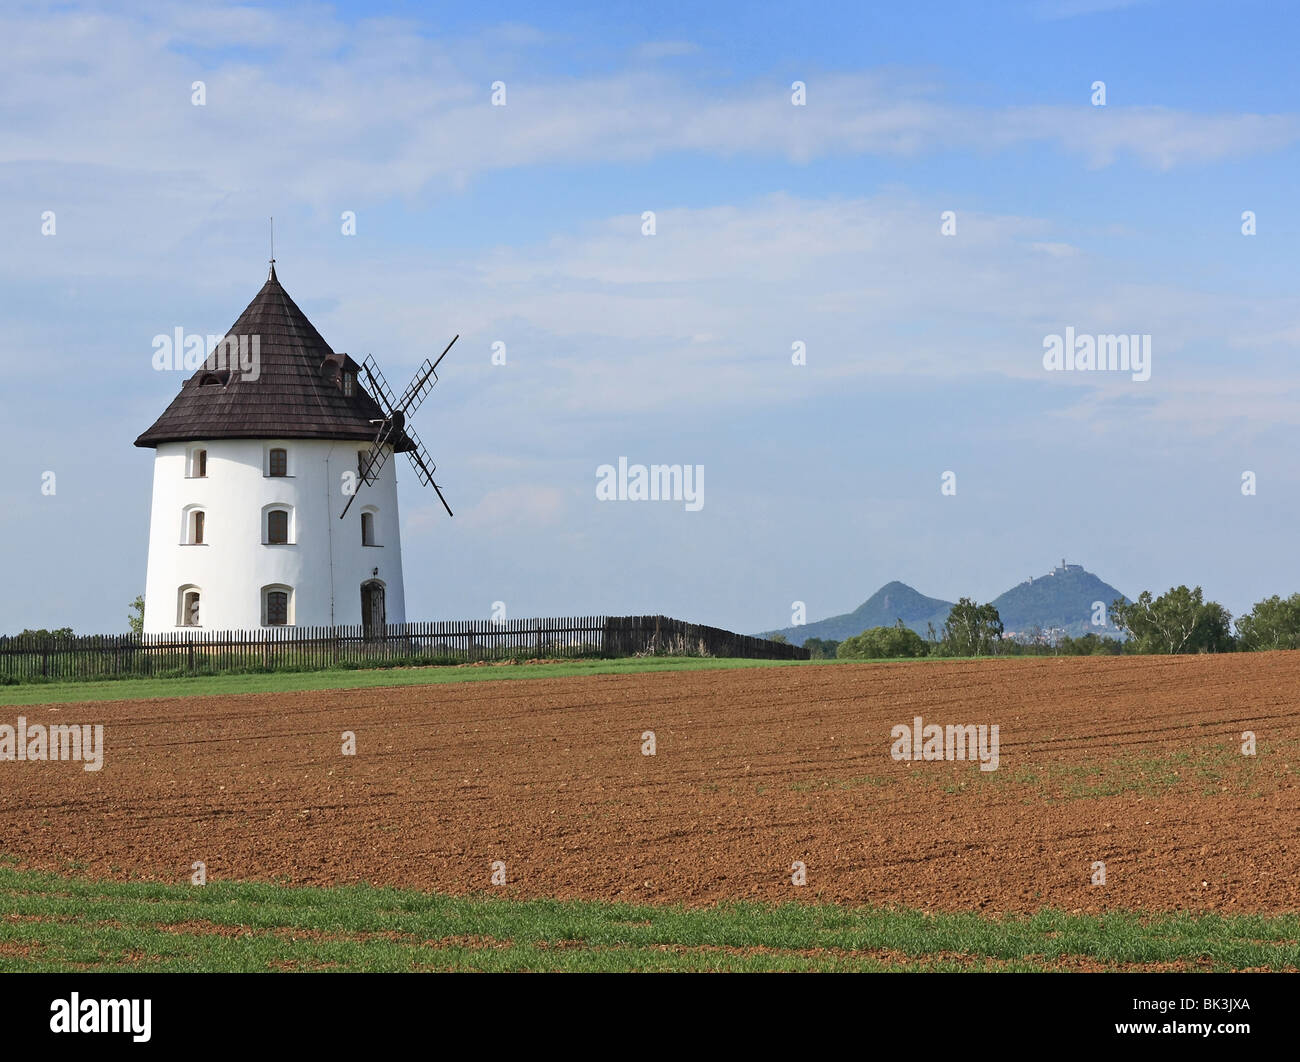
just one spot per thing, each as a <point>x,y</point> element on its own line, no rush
<point>298,393</point>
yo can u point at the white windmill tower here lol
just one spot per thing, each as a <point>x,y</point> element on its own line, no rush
<point>255,474</point>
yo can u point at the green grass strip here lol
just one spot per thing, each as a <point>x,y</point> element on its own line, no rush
<point>349,679</point>
<point>56,923</point>
<point>288,681</point>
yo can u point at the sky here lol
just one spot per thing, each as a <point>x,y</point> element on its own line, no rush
<point>776,224</point>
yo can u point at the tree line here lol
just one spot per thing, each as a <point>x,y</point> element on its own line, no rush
<point>1178,621</point>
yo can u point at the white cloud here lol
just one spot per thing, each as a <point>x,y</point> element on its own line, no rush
<point>602,321</point>
<point>385,112</point>
<point>506,510</point>
<point>607,323</point>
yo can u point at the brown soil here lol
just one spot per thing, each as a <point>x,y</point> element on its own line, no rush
<point>1135,762</point>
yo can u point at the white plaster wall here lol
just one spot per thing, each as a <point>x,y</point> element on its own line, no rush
<point>325,562</point>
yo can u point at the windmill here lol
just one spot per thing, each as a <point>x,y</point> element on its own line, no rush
<point>393,426</point>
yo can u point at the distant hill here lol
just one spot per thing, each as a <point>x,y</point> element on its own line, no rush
<point>1060,601</point>
<point>884,608</point>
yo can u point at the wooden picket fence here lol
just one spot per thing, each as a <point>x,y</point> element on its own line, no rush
<point>197,651</point>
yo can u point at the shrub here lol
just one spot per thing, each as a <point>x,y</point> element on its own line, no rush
<point>883,643</point>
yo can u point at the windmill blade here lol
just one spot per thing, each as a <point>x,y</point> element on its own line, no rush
<point>425,468</point>
<point>369,467</point>
<point>379,389</point>
<point>421,385</point>
<point>393,429</point>
<point>373,463</point>
<point>420,459</point>
<point>425,379</point>
<point>351,499</point>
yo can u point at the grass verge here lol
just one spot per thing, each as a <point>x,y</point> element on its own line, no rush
<point>287,681</point>
<point>130,689</point>
<point>54,923</point>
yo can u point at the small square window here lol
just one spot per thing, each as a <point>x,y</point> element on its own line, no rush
<point>278,464</point>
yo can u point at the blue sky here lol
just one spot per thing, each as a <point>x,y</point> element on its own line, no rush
<point>821,224</point>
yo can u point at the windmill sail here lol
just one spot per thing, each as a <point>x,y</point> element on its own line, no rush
<point>393,432</point>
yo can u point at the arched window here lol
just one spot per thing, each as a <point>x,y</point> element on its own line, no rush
<point>369,534</point>
<point>276,529</point>
<point>277,605</point>
<point>187,606</point>
<point>277,461</point>
<point>194,528</point>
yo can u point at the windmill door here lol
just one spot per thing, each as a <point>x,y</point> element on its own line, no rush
<point>372,609</point>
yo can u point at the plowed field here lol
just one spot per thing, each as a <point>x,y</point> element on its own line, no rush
<point>1134,762</point>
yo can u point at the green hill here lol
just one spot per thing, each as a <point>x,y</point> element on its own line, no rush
<point>884,608</point>
<point>1062,599</point>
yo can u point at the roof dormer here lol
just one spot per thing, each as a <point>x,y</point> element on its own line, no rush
<point>341,371</point>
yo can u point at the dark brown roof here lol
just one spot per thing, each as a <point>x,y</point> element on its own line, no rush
<point>297,394</point>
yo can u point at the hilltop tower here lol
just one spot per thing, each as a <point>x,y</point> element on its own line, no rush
<point>252,471</point>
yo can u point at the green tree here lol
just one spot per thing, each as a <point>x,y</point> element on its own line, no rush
<point>821,648</point>
<point>1273,623</point>
<point>1178,621</point>
<point>971,629</point>
<point>1090,644</point>
<point>41,636</point>
<point>780,639</point>
<point>136,616</point>
<point>883,643</point>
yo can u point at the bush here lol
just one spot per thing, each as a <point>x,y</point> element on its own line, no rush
<point>883,643</point>
<point>1089,644</point>
<point>822,648</point>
